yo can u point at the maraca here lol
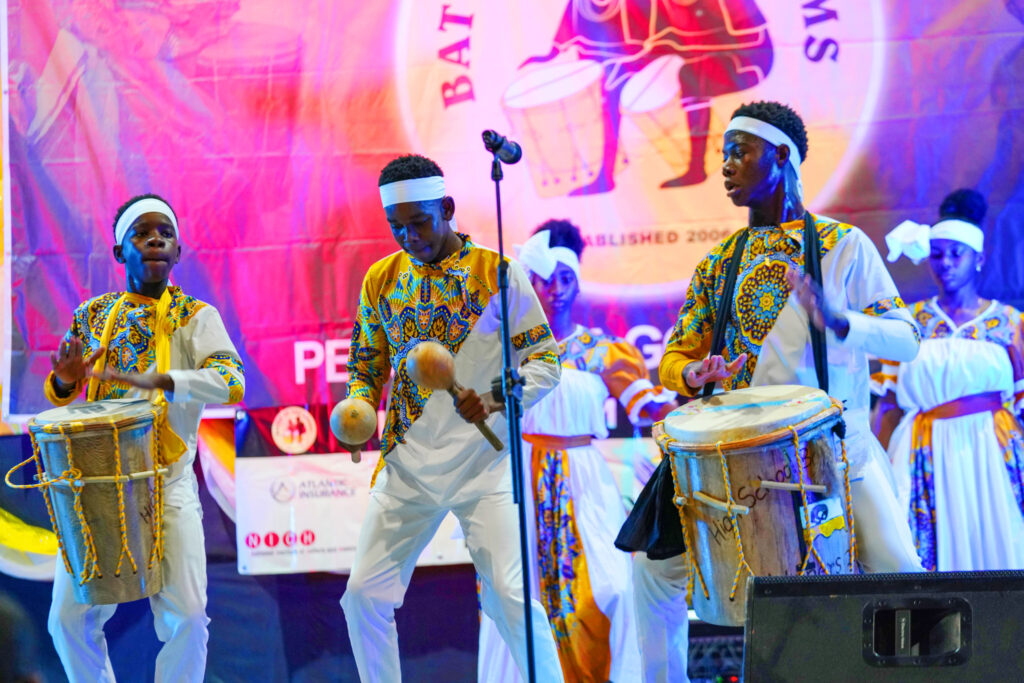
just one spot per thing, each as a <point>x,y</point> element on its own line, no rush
<point>354,422</point>
<point>432,366</point>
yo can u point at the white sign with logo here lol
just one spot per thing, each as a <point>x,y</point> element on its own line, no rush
<point>303,513</point>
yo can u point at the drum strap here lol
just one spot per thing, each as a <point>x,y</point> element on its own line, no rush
<point>812,267</point>
<point>725,303</point>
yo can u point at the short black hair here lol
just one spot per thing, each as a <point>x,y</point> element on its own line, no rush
<point>124,207</point>
<point>408,167</point>
<point>782,117</point>
<point>965,205</point>
<point>563,234</point>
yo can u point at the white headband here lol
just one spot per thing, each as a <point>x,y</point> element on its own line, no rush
<point>538,256</point>
<point>913,240</point>
<point>415,190</point>
<point>767,131</point>
<point>132,213</point>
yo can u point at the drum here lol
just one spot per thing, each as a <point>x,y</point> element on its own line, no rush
<point>105,495</point>
<point>651,102</point>
<point>762,487</point>
<point>254,74</point>
<point>557,112</point>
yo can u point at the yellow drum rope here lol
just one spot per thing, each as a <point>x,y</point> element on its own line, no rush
<point>735,523</point>
<point>692,568</point>
<point>119,483</point>
<point>90,563</point>
<point>156,554</point>
<point>45,486</point>
<point>808,538</point>
<point>849,499</point>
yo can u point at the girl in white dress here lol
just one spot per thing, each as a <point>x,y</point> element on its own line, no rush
<point>583,581</point>
<point>958,450</point>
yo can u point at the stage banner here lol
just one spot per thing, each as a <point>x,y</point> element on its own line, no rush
<point>266,123</point>
<point>303,513</point>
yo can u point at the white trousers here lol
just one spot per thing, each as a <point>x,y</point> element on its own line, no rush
<point>884,544</point>
<point>179,610</point>
<point>393,536</point>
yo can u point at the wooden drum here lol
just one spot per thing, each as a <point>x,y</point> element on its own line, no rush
<point>101,474</point>
<point>762,486</point>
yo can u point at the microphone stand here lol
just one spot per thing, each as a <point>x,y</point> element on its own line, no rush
<point>511,388</point>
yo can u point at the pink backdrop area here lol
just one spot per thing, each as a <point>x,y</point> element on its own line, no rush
<point>265,124</point>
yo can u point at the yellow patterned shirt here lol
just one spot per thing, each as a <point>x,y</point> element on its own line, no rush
<point>454,302</point>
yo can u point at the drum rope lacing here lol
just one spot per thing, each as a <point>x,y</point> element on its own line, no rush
<point>120,503</point>
<point>808,538</point>
<point>693,569</point>
<point>735,523</point>
<point>156,553</point>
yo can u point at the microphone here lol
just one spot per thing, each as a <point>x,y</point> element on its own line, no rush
<point>506,150</point>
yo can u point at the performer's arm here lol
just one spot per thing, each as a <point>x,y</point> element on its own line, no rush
<point>219,376</point>
<point>690,340</point>
<point>876,320</point>
<point>624,372</point>
<point>1016,351</point>
<point>532,342</point>
<point>71,363</point>
<point>369,360</point>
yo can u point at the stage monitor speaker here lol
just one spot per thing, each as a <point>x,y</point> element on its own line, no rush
<point>935,627</point>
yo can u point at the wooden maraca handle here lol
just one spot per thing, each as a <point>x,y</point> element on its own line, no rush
<point>491,437</point>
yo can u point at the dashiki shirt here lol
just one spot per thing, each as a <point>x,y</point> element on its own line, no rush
<point>961,477</point>
<point>204,364</point>
<point>772,328</point>
<point>429,452</point>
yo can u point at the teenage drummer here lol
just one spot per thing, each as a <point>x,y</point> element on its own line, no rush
<point>767,337</point>
<point>154,341</point>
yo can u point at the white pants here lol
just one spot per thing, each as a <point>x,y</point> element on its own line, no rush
<point>179,610</point>
<point>884,544</point>
<point>393,536</point>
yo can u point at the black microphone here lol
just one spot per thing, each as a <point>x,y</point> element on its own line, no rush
<point>507,151</point>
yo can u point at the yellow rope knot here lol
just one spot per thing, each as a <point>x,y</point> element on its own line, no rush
<point>729,502</point>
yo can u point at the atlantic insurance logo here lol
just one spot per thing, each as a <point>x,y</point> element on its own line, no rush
<point>620,106</point>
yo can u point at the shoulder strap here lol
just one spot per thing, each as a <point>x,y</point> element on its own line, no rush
<point>725,302</point>
<point>812,267</point>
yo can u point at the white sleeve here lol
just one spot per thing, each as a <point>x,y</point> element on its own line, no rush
<point>218,375</point>
<point>532,342</point>
<point>880,323</point>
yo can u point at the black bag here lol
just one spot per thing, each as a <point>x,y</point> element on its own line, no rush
<point>653,526</point>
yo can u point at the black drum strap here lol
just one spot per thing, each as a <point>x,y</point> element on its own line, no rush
<point>725,303</point>
<point>812,267</point>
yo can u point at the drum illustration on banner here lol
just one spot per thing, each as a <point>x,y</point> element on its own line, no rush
<point>620,106</point>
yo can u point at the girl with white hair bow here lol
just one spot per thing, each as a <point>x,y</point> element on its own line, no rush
<point>958,449</point>
<point>584,582</point>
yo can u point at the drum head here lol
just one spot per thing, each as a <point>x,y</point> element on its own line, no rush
<point>119,410</point>
<point>744,413</point>
<point>551,84</point>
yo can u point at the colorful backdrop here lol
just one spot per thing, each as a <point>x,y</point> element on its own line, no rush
<point>265,124</point>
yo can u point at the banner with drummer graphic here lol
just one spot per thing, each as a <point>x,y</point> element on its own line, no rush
<point>265,125</point>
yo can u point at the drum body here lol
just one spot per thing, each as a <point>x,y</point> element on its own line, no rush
<point>786,508</point>
<point>121,518</point>
<point>557,112</point>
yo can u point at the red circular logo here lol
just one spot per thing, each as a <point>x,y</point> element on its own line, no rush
<point>252,540</point>
<point>289,538</point>
<point>307,537</point>
<point>271,539</point>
